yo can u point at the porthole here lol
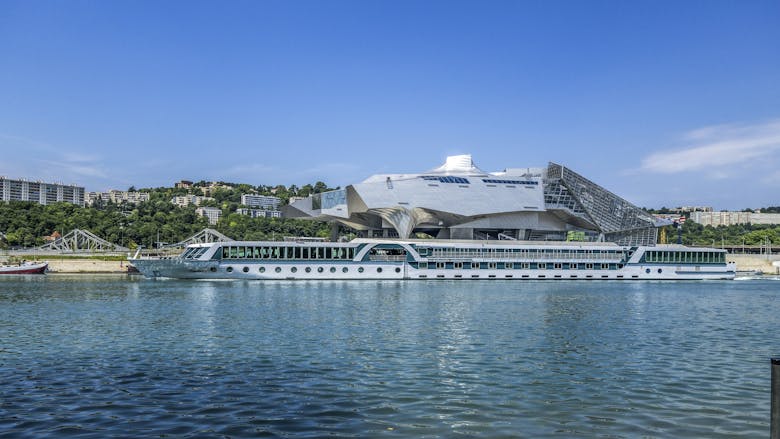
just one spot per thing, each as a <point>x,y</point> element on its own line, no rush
<point>647,270</point>
<point>660,271</point>
<point>245,270</point>
<point>308,269</point>
<point>397,270</point>
<point>360,270</point>
<point>294,269</point>
<point>229,269</point>
<point>379,269</point>
<point>278,269</point>
<point>332,269</point>
<point>319,269</point>
<point>213,269</point>
<point>344,270</point>
<point>262,269</point>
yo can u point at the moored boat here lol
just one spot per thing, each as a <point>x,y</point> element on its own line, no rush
<point>438,259</point>
<point>25,268</point>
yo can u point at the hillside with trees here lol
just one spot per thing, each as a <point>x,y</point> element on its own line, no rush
<point>27,224</point>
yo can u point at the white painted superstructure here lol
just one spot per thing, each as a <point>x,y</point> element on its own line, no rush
<point>438,259</point>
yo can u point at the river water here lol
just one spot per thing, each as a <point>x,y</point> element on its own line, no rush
<point>112,356</point>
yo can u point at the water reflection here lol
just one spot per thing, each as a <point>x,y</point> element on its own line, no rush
<point>302,359</point>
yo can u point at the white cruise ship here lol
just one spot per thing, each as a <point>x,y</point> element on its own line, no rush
<point>438,259</point>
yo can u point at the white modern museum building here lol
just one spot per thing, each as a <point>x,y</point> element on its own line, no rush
<point>460,201</point>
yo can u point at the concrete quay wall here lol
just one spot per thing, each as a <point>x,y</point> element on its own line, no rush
<point>86,266</point>
<point>755,263</point>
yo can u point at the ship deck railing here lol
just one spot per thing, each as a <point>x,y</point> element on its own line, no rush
<point>563,257</point>
<point>387,258</point>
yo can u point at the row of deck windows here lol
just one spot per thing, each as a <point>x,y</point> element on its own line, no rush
<point>515,265</point>
<point>691,257</point>
<point>501,253</point>
<point>284,252</point>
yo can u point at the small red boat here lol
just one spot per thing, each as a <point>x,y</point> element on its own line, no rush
<point>25,268</point>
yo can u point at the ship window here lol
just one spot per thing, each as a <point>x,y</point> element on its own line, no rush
<point>492,265</point>
<point>245,270</point>
<point>308,269</point>
<point>319,269</point>
<point>423,265</point>
<point>262,269</point>
<point>647,270</point>
<point>440,265</point>
<point>474,265</point>
<point>379,269</point>
<point>457,265</point>
<point>294,269</point>
<point>229,269</point>
<point>660,271</point>
<point>332,269</point>
<point>278,269</point>
<point>360,269</point>
<point>213,269</point>
<point>344,270</point>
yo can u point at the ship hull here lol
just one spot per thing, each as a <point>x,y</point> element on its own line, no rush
<point>24,269</point>
<point>169,268</point>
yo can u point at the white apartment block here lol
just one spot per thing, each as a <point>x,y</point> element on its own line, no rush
<point>260,201</point>
<point>117,197</point>
<point>725,218</point>
<point>40,192</point>
<point>212,213</point>
<point>186,200</point>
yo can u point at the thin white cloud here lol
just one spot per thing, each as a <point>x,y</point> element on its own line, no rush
<point>718,148</point>
<point>34,159</point>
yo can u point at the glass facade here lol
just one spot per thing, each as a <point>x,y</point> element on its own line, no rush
<point>329,200</point>
<point>685,257</point>
<point>282,252</point>
<point>618,220</point>
<point>520,182</point>
<point>447,179</point>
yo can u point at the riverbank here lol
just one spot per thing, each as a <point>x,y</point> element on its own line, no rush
<point>72,265</point>
<point>756,263</point>
<point>87,266</point>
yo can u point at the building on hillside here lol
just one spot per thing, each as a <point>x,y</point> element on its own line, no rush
<point>689,209</point>
<point>212,187</point>
<point>294,199</point>
<point>260,201</point>
<point>259,213</point>
<point>40,192</point>
<point>460,201</point>
<point>186,200</point>
<point>183,184</point>
<point>726,218</point>
<point>115,196</point>
<point>212,213</point>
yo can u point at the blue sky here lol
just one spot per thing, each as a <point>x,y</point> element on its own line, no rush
<point>664,102</point>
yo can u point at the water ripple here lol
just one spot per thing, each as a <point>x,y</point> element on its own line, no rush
<point>96,357</point>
